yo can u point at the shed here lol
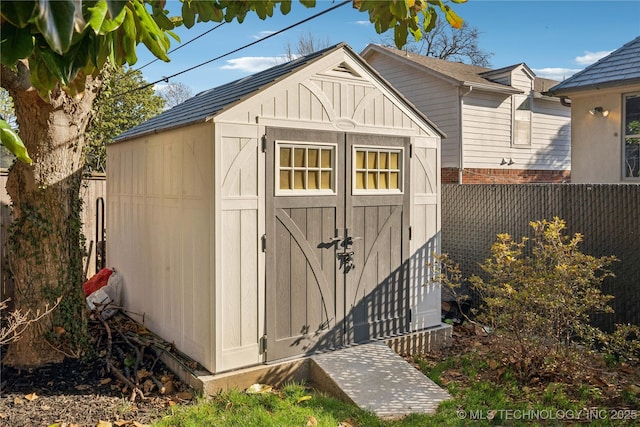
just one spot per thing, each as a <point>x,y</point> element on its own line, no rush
<point>285,213</point>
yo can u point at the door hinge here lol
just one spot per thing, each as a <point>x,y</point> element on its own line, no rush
<point>264,143</point>
<point>263,242</point>
<point>410,232</point>
<point>410,151</point>
<point>263,344</point>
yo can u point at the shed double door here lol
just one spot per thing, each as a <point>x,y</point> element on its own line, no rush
<point>337,240</point>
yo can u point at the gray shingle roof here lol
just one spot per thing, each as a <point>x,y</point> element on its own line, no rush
<point>465,74</point>
<point>211,102</point>
<point>622,66</point>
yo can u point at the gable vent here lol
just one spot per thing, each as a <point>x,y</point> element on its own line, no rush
<point>345,69</point>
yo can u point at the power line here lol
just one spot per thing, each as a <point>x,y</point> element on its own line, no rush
<point>166,78</point>
<point>183,45</point>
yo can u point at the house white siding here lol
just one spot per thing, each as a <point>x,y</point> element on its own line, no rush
<point>486,129</point>
<point>436,98</point>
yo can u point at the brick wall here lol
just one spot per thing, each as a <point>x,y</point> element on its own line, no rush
<point>505,176</point>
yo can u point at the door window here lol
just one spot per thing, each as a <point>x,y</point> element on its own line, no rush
<point>377,170</point>
<point>305,169</point>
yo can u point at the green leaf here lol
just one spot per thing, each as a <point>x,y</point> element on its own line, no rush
<point>56,21</point>
<point>430,19</point>
<point>285,7</point>
<point>12,141</point>
<point>400,34</point>
<point>97,15</point>
<point>110,25</point>
<point>162,20</point>
<point>148,31</point>
<point>188,14</point>
<point>308,3</point>
<point>18,12</point>
<point>115,7</point>
<point>16,43</point>
<point>127,33</point>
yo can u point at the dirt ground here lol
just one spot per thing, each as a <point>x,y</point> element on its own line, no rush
<point>76,393</point>
<point>73,393</point>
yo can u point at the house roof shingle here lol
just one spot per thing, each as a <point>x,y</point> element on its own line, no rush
<point>463,74</point>
<point>620,67</point>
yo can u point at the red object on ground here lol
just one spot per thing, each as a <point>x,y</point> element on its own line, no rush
<point>96,282</point>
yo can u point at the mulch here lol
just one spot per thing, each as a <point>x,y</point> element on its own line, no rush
<point>79,393</point>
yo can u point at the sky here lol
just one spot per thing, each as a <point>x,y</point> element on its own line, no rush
<point>555,38</point>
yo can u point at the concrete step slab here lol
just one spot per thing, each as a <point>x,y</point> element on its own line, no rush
<point>377,379</point>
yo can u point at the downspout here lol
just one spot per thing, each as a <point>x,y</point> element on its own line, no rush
<point>565,101</point>
<point>462,91</point>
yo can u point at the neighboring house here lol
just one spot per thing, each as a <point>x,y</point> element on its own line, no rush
<point>288,212</point>
<point>605,118</point>
<point>499,126</point>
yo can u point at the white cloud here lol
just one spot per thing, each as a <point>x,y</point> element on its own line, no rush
<point>558,74</point>
<point>262,34</point>
<point>252,64</point>
<point>590,57</point>
<point>362,22</point>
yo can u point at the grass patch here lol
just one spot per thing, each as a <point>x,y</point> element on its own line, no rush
<point>484,390</point>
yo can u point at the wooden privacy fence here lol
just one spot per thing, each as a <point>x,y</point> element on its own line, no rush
<point>92,188</point>
<point>608,215</point>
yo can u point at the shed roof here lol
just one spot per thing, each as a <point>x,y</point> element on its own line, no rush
<point>620,67</point>
<point>211,102</point>
<point>462,74</point>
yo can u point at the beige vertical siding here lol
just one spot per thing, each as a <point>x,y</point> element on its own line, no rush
<point>159,237</point>
<point>425,230</point>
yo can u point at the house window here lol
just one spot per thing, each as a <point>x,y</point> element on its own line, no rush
<point>521,121</point>
<point>377,169</point>
<point>305,168</point>
<point>632,136</point>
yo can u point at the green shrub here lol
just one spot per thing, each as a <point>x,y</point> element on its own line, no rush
<point>539,305</point>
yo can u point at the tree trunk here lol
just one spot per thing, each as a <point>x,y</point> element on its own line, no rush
<point>44,245</point>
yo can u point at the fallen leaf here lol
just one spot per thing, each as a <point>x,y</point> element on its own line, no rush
<point>303,398</point>
<point>345,423</point>
<point>228,406</point>
<point>172,403</point>
<point>143,373</point>
<point>59,330</point>
<point>184,395</point>
<point>147,386</point>
<point>31,397</point>
<point>493,364</point>
<point>18,401</point>
<point>81,387</point>
<point>137,424</point>
<point>311,421</point>
<point>45,407</point>
<point>105,381</point>
<point>258,388</point>
<point>104,424</point>
<point>169,387</point>
<point>121,423</point>
<point>627,369</point>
